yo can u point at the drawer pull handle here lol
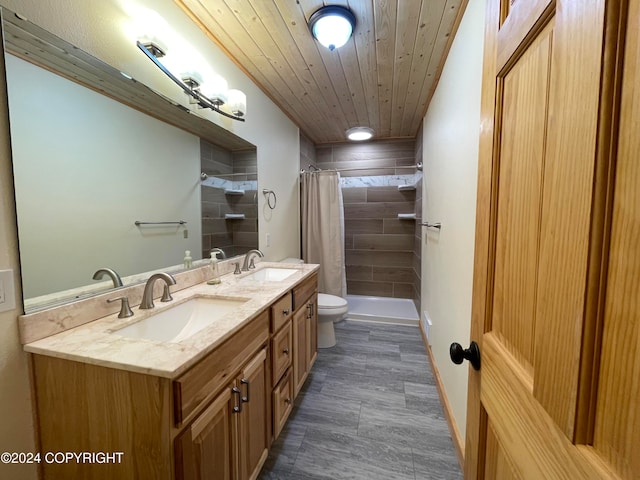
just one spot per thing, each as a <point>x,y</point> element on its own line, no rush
<point>244,381</point>
<point>237,408</point>
<point>285,351</point>
<point>287,401</point>
<point>285,312</point>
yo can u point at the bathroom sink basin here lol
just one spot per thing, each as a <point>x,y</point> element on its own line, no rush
<point>270,274</point>
<point>182,321</point>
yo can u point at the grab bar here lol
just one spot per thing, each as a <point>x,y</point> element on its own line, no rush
<point>179,222</point>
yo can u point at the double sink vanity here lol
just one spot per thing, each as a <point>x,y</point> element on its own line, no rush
<point>194,388</point>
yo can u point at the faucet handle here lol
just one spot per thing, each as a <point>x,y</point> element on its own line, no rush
<point>252,264</point>
<point>166,294</point>
<point>125,309</point>
<point>237,271</point>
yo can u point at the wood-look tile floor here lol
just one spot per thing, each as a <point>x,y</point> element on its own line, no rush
<point>369,410</point>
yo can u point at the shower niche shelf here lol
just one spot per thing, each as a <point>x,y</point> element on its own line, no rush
<point>230,191</point>
<point>234,216</point>
<point>406,216</point>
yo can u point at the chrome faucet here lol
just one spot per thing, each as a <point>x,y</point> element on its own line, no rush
<point>219,251</point>
<point>147,296</point>
<point>249,264</point>
<point>115,278</point>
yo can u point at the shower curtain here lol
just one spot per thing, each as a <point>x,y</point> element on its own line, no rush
<point>323,229</point>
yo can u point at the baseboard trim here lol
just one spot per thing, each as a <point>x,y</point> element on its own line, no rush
<point>458,441</point>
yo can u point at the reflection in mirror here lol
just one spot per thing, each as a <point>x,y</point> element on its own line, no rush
<point>229,200</point>
<point>88,167</point>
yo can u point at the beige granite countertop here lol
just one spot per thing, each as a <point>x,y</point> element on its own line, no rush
<point>97,344</point>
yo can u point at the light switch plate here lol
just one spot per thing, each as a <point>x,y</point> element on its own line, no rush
<point>7,291</point>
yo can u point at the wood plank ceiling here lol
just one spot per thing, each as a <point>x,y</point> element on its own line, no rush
<point>382,78</point>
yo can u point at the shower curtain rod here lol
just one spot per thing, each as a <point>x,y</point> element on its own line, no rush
<point>348,169</point>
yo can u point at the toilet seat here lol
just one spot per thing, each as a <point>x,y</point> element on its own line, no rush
<point>331,302</point>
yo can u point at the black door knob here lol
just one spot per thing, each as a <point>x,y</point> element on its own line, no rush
<point>458,354</point>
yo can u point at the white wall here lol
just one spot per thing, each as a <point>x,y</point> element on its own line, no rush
<point>450,155</point>
<point>86,167</point>
<point>100,28</point>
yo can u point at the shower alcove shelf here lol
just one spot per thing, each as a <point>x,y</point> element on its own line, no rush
<point>234,216</point>
<point>406,216</point>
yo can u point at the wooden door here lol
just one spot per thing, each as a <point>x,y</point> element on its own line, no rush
<point>206,450</point>
<point>300,346</point>
<point>255,417</point>
<point>555,306</point>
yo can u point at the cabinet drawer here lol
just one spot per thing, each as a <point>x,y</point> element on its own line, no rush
<point>303,291</point>
<point>281,352</point>
<point>200,383</point>
<point>282,403</point>
<point>280,312</point>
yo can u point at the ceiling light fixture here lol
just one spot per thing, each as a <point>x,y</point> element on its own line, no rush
<point>332,25</point>
<point>359,134</point>
<point>210,93</point>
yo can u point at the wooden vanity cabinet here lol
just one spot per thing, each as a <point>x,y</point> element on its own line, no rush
<point>230,439</point>
<point>305,331</point>
<point>282,352</point>
<point>206,449</point>
<point>215,421</point>
<point>294,346</point>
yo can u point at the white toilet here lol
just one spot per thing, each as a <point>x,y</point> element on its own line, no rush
<point>331,308</point>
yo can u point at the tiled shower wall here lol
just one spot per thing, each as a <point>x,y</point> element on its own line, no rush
<point>381,257</point>
<point>235,237</point>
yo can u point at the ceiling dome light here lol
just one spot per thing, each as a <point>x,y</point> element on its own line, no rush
<point>332,25</point>
<point>359,134</point>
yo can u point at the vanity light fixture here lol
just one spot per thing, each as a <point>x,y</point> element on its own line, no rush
<point>332,25</point>
<point>359,134</point>
<point>211,93</point>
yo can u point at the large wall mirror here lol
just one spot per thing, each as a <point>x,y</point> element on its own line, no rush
<point>109,174</point>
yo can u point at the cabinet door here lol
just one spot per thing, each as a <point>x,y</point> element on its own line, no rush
<point>282,402</point>
<point>312,330</point>
<point>255,417</point>
<point>205,450</point>
<point>300,346</point>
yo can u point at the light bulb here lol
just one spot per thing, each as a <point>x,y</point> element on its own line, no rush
<point>237,103</point>
<point>215,89</point>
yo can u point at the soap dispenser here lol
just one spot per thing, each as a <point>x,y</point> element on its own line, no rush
<point>214,274</point>
<point>188,261</point>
